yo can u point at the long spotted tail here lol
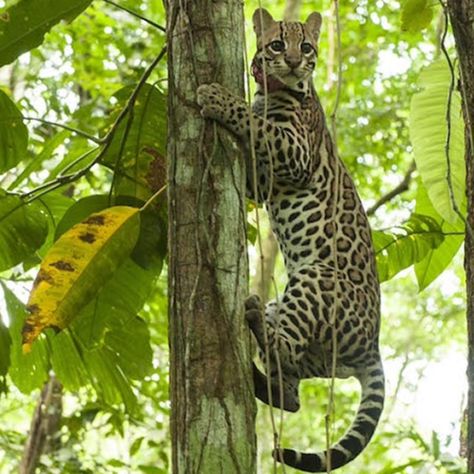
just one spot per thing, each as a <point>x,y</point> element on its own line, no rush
<point>355,439</point>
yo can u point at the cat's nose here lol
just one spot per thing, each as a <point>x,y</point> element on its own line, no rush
<point>293,60</point>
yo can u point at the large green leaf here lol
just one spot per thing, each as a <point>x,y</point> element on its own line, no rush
<point>428,132</point>
<point>13,134</point>
<point>27,371</point>
<point>136,145</point>
<point>405,245</point>
<point>416,15</point>
<point>437,259</point>
<point>23,26</point>
<point>55,205</point>
<point>23,229</point>
<point>107,345</point>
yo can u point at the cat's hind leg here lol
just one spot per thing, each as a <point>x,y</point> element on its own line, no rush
<point>282,385</point>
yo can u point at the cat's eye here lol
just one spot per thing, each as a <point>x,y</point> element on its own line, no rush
<point>277,45</point>
<point>306,48</point>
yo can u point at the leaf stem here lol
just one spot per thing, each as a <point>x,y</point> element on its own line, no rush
<point>150,200</point>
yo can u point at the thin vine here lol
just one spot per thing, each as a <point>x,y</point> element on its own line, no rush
<point>331,403</point>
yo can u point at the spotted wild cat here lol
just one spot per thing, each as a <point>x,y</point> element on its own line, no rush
<point>322,230</point>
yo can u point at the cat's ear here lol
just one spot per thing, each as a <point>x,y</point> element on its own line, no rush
<point>313,23</point>
<point>262,20</point>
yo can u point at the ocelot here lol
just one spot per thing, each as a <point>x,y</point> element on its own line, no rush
<point>329,313</point>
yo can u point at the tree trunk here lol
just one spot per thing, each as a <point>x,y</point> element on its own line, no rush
<point>43,436</point>
<point>461,13</point>
<point>211,389</point>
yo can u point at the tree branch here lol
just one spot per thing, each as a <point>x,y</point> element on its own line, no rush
<point>399,189</point>
<point>137,15</point>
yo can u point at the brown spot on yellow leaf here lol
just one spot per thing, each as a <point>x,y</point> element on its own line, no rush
<point>95,220</point>
<point>33,309</point>
<point>87,237</point>
<point>43,276</point>
<point>62,265</point>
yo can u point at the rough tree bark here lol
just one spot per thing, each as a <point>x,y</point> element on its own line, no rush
<point>212,401</point>
<point>461,13</point>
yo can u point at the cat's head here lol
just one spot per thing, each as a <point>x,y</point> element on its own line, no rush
<point>288,49</point>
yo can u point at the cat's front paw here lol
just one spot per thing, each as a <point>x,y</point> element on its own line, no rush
<point>211,98</point>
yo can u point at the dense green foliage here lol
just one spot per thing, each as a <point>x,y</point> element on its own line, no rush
<point>82,129</point>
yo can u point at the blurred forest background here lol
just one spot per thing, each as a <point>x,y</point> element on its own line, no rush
<point>109,395</point>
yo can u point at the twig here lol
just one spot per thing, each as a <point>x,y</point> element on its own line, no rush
<point>137,15</point>
<point>152,198</point>
<point>399,189</point>
<point>81,133</point>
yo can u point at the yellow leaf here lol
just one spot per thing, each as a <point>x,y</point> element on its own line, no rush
<point>77,266</point>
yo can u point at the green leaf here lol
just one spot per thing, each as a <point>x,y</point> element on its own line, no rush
<point>23,26</point>
<point>405,245</point>
<point>416,15</point>
<point>55,205</point>
<point>107,345</point>
<point>23,229</point>
<point>151,469</point>
<point>108,380</point>
<point>136,146</point>
<point>121,298</point>
<point>13,134</point>
<point>428,132</point>
<point>67,361</point>
<point>46,154</point>
<point>5,343</point>
<point>135,447</point>
<point>436,260</point>
<point>27,371</point>
<point>127,342</point>
<point>77,266</point>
